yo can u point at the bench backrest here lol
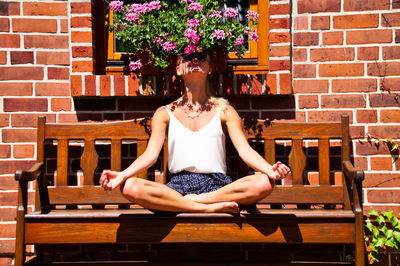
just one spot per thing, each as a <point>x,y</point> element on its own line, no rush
<point>271,136</point>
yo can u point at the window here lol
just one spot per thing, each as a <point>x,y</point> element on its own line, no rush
<point>255,59</point>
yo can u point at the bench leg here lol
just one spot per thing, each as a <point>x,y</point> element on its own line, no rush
<point>20,240</point>
<point>360,244</point>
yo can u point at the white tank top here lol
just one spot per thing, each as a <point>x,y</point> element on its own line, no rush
<point>201,151</point>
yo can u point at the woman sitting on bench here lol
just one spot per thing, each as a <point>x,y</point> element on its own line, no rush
<point>195,124</point>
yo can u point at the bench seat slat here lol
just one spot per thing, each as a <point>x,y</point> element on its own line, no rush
<point>281,194</point>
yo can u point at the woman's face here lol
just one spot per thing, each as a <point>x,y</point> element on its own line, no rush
<point>197,66</point>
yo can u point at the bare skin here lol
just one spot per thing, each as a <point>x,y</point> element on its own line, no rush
<point>194,110</point>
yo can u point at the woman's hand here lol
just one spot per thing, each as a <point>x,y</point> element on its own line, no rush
<point>278,171</point>
<point>111,179</point>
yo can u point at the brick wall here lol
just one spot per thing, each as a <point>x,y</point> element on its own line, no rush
<point>327,57</point>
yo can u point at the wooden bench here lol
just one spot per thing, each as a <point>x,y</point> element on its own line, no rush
<point>302,210</point>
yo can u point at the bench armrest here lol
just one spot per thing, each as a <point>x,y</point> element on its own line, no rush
<point>30,175</point>
<point>351,173</point>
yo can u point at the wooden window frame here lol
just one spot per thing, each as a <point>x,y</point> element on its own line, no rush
<point>256,61</point>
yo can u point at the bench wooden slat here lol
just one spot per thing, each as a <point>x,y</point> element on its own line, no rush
<point>89,161</point>
<point>122,129</point>
<point>116,154</point>
<point>141,147</point>
<point>297,161</point>
<point>323,161</point>
<point>62,162</point>
<point>269,150</point>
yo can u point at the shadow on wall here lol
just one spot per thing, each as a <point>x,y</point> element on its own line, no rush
<point>272,107</point>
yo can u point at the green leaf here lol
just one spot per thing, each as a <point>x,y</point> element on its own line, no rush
<point>374,256</point>
<point>375,232</point>
<point>374,213</point>
<point>388,215</point>
<point>369,226</point>
<point>396,235</point>
<point>379,243</point>
<point>381,220</point>
<point>394,147</point>
<point>390,243</point>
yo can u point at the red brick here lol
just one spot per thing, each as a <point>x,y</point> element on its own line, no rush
<point>5,151</point>
<point>301,23</point>
<point>278,51</point>
<point>343,101</point>
<point>381,180</point>
<point>397,36</point>
<point>58,73</point>
<point>82,66</point>
<point>310,86</point>
<point>276,65</point>
<point>271,83</point>
<point>383,100</point>
<point>10,41</point>
<point>24,151</point>
<point>52,58</point>
<point>21,73</point>
<point>354,85</point>
<point>332,38</point>
<point>369,148</point>
<point>279,23</point>
<point>9,167</point>
<point>369,36</point>
<point>9,8</point>
<point>285,83</point>
<point>360,5</point>
<point>61,104</point>
<point>64,25</point>
<point>383,196</point>
<point>80,8</point>
<point>316,6</point>
<point>4,24</point>
<point>81,22</point>
<point>356,131</point>
<point>25,104</point>
<point>381,163</point>
<point>119,85</point>
<point>133,85</point>
<point>90,85</point>
<point>308,101</point>
<point>15,89</point>
<point>8,213</point>
<point>303,71</point>
<point>300,54</point>
<point>391,52</point>
<point>383,68</point>
<point>391,19</point>
<point>52,89</point>
<point>45,9</point>
<point>7,182</point>
<point>386,131</point>
<point>82,51</point>
<point>341,70</point>
<point>320,23</point>
<point>34,25</point>
<point>280,9</point>
<point>305,38</point>
<point>78,36</point>
<point>30,119</point>
<point>393,84</point>
<point>7,230</point>
<point>46,41</point>
<point>279,37</point>
<point>332,54</point>
<point>284,116</point>
<point>76,85</point>
<point>19,135</point>
<point>381,208</point>
<point>367,116</point>
<point>4,120</point>
<point>256,84</point>
<point>21,57</point>
<point>328,116</point>
<point>3,57</point>
<point>105,89</point>
<point>67,118</point>
<point>390,116</point>
<point>356,21</point>
<point>395,4</point>
<point>368,53</point>
<point>361,163</point>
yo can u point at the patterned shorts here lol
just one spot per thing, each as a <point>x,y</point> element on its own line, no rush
<point>194,183</point>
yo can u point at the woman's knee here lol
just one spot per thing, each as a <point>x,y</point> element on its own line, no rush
<point>262,186</point>
<point>130,188</point>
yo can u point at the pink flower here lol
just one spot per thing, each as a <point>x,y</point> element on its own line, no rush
<point>252,15</point>
<point>219,34</point>
<point>190,49</point>
<point>215,14</point>
<point>230,13</point>
<point>116,5</point>
<point>229,33</point>
<point>154,5</point>
<point>132,16</point>
<point>195,7</point>
<point>239,41</point>
<point>193,23</point>
<point>191,36</point>
<point>187,1</point>
<point>133,65</point>
<point>169,46</point>
<point>158,40</point>
<point>253,36</point>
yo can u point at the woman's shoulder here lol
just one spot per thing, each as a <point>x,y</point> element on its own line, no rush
<point>161,114</point>
<point>228,112</point>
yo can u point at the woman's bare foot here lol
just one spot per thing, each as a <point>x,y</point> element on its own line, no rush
<point>230,207</point>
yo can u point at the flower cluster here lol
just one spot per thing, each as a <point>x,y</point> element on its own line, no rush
<point>166,27</point>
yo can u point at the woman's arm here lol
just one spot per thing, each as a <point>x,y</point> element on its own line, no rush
<point>252,158</point>
<point>112,179</point>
